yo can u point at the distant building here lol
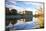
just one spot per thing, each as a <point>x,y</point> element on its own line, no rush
<point>27,15</point>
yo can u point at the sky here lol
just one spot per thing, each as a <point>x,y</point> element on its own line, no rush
<point>31,0</point>
<point>20,5</point>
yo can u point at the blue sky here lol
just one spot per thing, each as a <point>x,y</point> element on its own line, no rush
<point>23,5</point>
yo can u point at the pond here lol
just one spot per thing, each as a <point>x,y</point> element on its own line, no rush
<point>22,25</point>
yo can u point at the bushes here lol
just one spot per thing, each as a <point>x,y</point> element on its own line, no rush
<point>10,12</point>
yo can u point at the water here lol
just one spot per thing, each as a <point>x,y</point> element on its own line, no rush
<point>22,25</point>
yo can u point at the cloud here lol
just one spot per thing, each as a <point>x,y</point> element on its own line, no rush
<point>10,3</point>
<point>20,8</point>
<point>11,0</point>
<point>25,2</point>
<point>10,6</point>
<point>31,0</point>
<point>33,3</point>
<point>14,2</point>
<point>28,9</point>
<point>36,4</point>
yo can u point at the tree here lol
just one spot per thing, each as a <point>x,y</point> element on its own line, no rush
<point>40,16</point>
<point>13,11</point>
<point>7,11</point>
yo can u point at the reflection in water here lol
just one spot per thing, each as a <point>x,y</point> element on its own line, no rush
<point>26,25</point>
<point>28,21</point>
<point>21,21</point>
<point>24,20</point>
